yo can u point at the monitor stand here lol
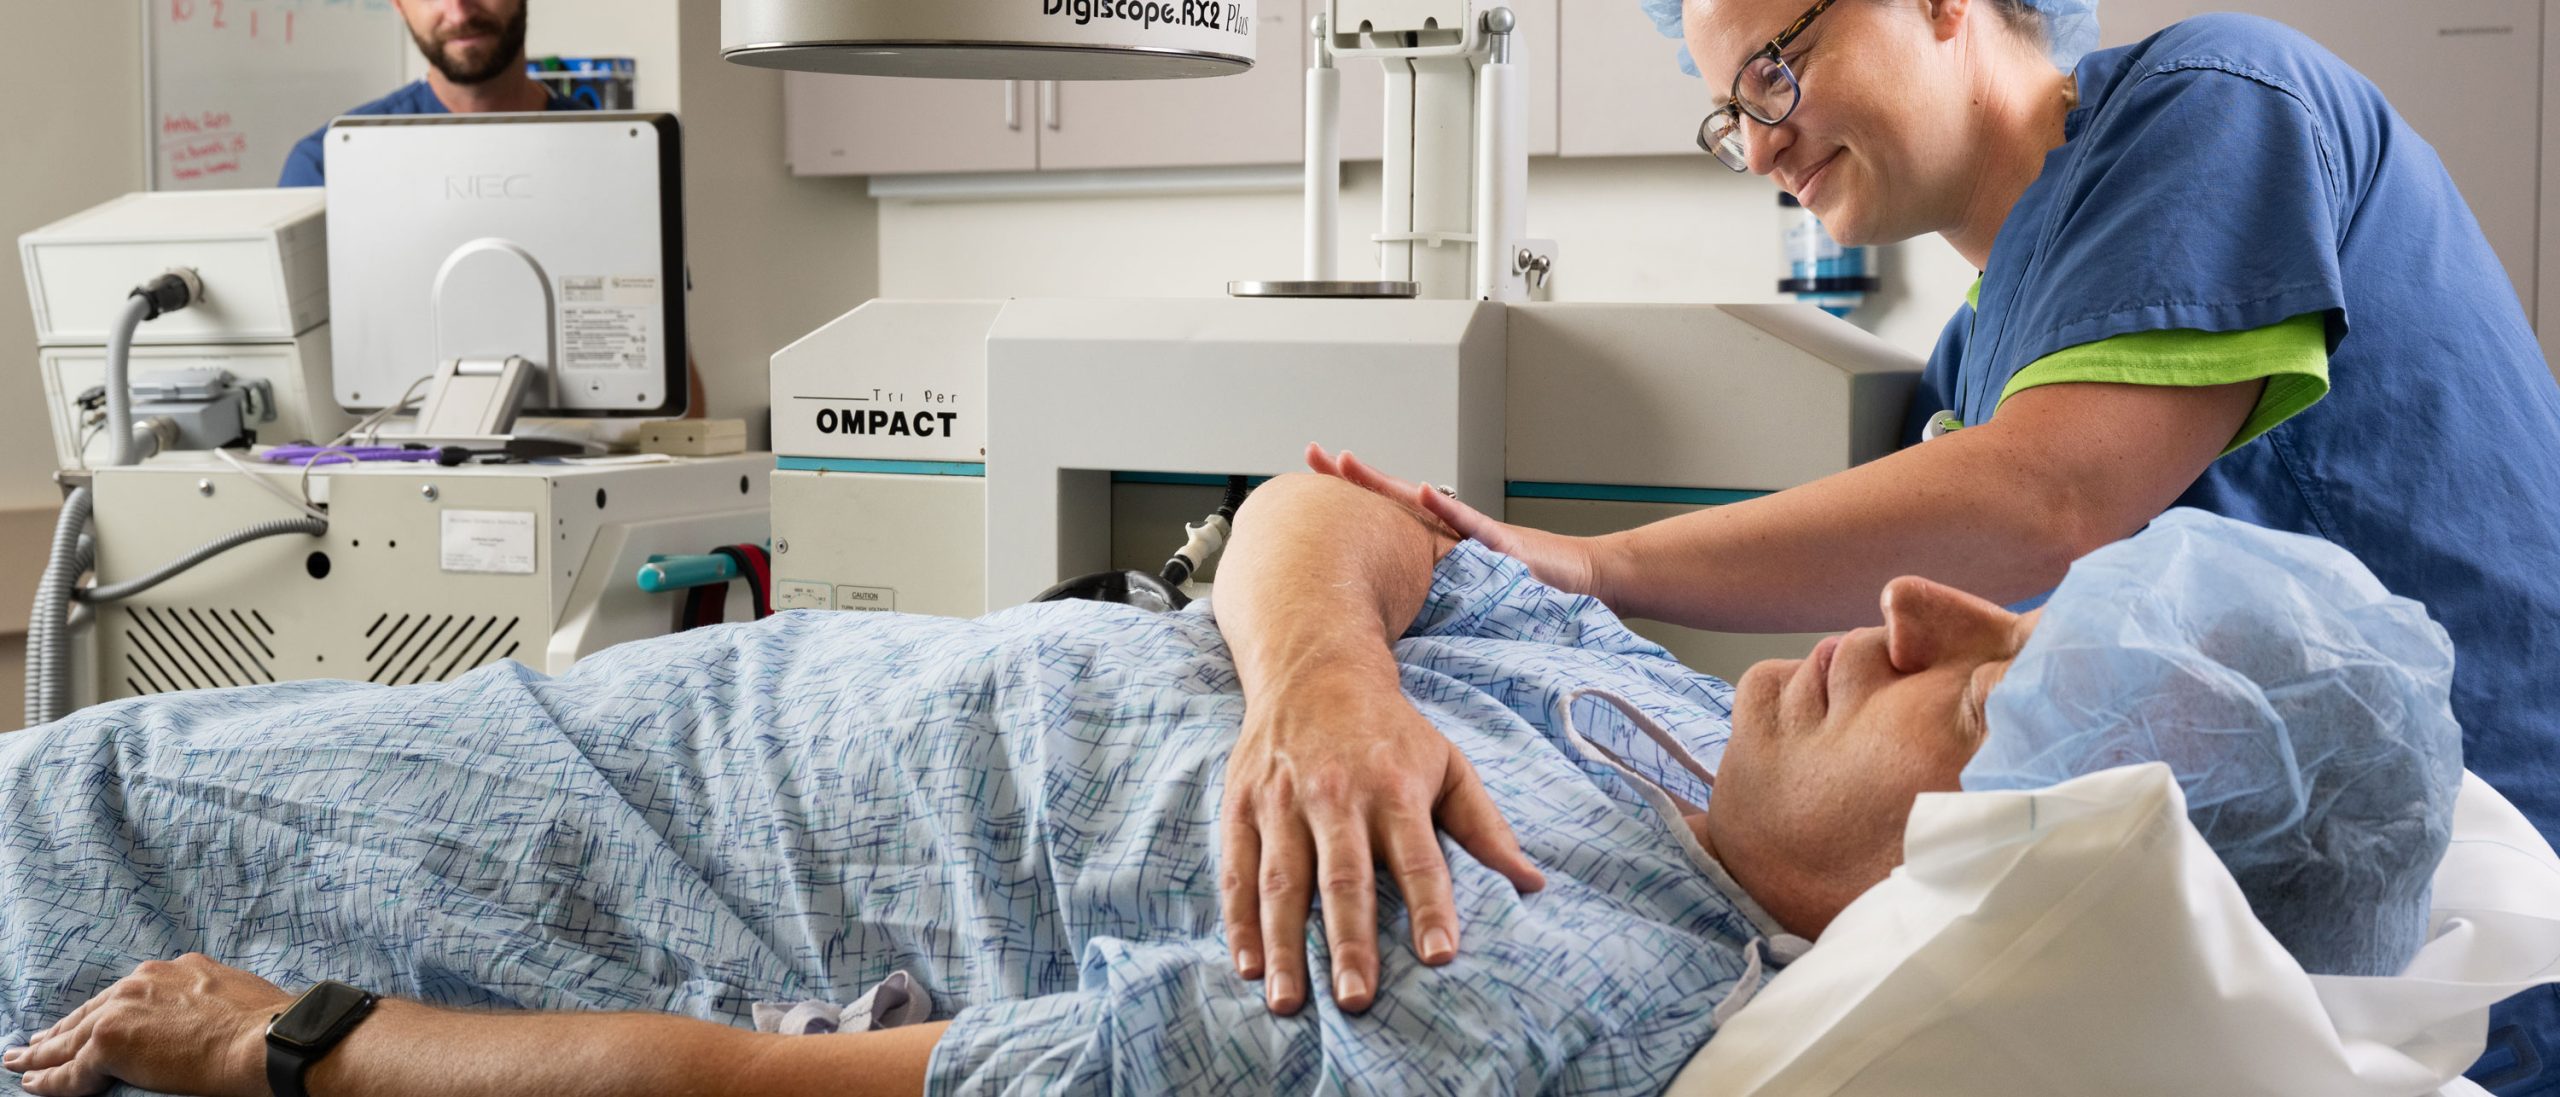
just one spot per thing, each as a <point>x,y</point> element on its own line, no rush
<point>473,401</point>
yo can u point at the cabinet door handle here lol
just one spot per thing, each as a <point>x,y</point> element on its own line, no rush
<point>1013,105</point>
<point>1049,103</point>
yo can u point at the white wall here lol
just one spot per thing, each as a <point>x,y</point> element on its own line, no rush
<point>773,256</point>
<point>1673,228</point>
<point>73,72</point>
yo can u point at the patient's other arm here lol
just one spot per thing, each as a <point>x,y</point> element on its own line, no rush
<point>195,1026</point>
<point>1334,769</point>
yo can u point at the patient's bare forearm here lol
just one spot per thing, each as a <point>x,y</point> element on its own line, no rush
<point>1320,578</point>
<point>406,1049</point>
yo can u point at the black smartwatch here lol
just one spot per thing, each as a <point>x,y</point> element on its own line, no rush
<point>299,1036</point>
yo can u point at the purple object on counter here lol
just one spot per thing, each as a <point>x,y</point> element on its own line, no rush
<point>337,455</point>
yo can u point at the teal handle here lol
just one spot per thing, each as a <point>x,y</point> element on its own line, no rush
<point>667,573</point>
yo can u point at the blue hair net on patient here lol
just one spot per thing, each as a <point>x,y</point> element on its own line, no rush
<point>2306,711</point>
<point>2070,25</point>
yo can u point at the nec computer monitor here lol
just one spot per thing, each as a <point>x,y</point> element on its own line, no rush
<point>556,237</point>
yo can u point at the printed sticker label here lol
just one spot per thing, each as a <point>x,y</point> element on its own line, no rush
<point>489,542</point>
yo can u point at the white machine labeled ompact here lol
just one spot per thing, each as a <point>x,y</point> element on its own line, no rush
<point>515,279</point>
<point>954,457</point>
<point>959,456</point>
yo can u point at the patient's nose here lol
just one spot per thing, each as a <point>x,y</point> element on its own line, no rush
<point>1927,624</point>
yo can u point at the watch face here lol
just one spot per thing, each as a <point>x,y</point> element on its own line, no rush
<point>320,1016</point>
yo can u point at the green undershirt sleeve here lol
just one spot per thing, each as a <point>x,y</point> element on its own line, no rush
<point>2291,356</point>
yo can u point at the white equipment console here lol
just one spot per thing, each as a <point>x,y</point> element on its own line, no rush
<point>522,261</point>
<point>252,358</point>
<point>425,572</point>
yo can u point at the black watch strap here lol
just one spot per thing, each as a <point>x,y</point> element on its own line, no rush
<point>285,1070</point>
<point>308,1030</point>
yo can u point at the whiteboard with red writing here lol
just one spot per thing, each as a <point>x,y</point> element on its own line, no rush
<point>234,83</point>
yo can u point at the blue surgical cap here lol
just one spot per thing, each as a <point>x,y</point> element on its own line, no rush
<point>2306,711</point>
<point>2070,25</point>
<point>1666,18</point>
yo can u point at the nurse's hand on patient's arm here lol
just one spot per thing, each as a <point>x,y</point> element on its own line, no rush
<point>1335,771</point>
<point>1566,563</point>
<point>194,1026</point>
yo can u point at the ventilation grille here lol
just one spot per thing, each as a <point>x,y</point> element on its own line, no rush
<point>170,648</point>
<point>412,648</point>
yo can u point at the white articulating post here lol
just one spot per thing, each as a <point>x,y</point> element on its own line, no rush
<point>1453,191</point>
<point>1395,179</point>
<point>1502,165</point>
<point>1444,133</point>
<point>1324,157</point>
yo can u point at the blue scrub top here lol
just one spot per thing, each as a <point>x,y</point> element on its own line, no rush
<point>2227,174</point>
<point>307,165</point>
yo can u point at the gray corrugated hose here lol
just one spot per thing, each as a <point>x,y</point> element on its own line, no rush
<point>137,309</point>
<point>49,630</point>
<point>47,649</point>
<point>210,549</point>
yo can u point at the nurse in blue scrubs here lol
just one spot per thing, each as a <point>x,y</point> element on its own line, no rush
<point>2218,270</point>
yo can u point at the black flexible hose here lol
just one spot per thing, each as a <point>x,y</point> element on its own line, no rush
<point>1237,488</point>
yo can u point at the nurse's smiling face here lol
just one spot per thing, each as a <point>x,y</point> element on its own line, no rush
<point>1884,145</point>
<point>1829,750</point>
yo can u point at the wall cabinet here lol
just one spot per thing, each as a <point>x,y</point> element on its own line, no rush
<point>857,125</point>
<point>874,125</point>
<point>1256,118</point>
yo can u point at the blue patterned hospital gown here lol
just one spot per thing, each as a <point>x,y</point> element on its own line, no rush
<point>1019,810</point>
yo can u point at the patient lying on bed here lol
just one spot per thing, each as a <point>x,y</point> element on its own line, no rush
<point>1018,812</point>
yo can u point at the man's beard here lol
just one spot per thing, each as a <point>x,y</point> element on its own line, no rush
<point>510,47</point>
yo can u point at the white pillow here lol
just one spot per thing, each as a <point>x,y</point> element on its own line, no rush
<point>2083,939</point>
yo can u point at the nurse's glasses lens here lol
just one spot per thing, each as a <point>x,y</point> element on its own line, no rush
<point>1766,90</point>
<point>1722,135</point>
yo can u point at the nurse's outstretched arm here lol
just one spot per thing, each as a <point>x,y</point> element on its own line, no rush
<point>1335,771</point>
<point>1999,509</point>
